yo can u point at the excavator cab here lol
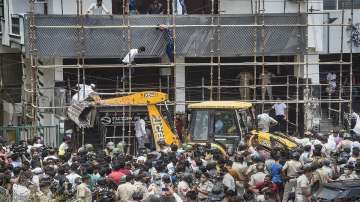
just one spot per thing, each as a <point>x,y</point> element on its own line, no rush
<point>222,123</point>
<point>227,124</point>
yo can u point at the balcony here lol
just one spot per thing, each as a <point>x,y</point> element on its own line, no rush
<point>195,35</point>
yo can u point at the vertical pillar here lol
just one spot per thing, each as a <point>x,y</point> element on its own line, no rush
<point>180,85</point>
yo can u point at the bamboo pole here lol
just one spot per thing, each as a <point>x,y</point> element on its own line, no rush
<point>212,51</point>
<point>263,87</point>
<point>218,55</point>
<point>351,58</point>
<point>341,65</point>
<point>297,80</point>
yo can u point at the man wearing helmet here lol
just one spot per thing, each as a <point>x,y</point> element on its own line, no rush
<point>109,149</point>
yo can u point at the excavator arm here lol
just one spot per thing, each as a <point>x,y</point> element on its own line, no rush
<point>83,113</point>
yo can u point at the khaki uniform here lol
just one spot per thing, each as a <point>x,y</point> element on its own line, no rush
<point>323,175</point>
<point>125,191</point>
<point>349,177</point>
<point>42,197</point>
<point>83,193</point>
<point>301,183</point>
<point>292,168</point>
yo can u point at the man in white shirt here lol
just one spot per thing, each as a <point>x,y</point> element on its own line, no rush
<point>280,113</point>
<point>129,58</point>
<point>356,128</point>
<point>140,132</point>
<point>73,176</point>
<point>265,121</point>
<point>85,91</point>
<point>98,8</point>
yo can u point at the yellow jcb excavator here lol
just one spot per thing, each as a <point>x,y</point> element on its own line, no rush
<point>83,113</point>
<point>224,124</point>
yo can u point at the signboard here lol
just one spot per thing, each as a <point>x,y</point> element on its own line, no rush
<point>114,120</point>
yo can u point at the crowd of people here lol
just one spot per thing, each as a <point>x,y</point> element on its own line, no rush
<point>30,171</point>
<point>132,7</point>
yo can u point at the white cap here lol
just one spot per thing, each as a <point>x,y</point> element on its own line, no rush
<point>110,145</point>
<point>69,131</point>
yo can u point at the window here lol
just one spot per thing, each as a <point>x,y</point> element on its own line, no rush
<point>330,4</point>
<point>224,123</point>
<point>344,4</point>
<point>201,125</point>
<point>341,4</point>
<point>15,25</point>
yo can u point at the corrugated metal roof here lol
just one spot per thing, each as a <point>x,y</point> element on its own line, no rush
<point>220,105</point>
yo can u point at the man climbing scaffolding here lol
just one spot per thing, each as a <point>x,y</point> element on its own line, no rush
<point>170,42</point>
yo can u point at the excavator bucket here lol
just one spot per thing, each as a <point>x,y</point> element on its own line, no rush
<point>82,113</point>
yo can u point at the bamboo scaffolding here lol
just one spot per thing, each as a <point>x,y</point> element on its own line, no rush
<point>302,60</point>
<point>193,64</point>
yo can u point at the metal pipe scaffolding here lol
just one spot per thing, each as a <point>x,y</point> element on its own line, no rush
<point>192,64</point>
<point>181,26</point>
<point>216,81</point>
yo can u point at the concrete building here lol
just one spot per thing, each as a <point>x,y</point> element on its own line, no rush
<point>217,41</point>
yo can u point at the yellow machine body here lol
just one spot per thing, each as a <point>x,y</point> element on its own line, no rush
<point>81,113</point>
